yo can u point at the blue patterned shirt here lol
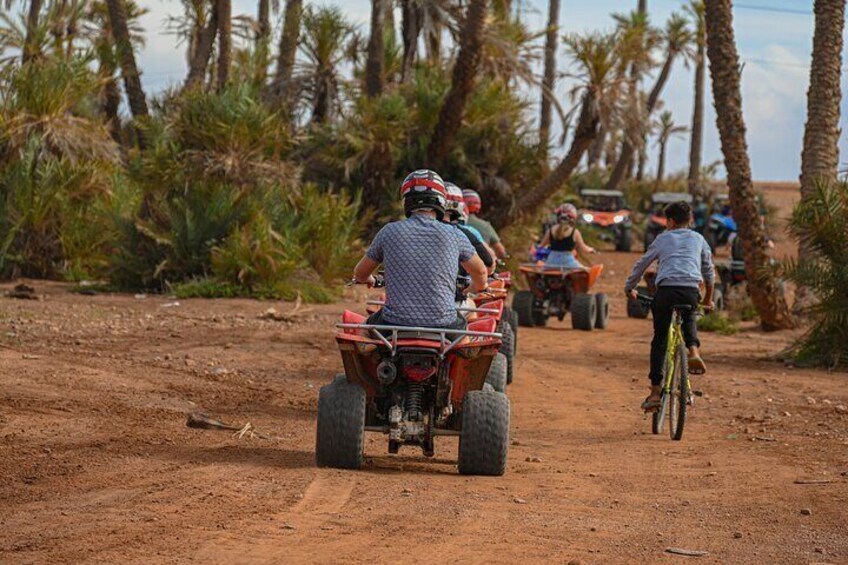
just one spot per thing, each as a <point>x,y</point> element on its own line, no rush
<point>420,256</point>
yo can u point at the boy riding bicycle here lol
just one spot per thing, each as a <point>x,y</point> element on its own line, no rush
<point>685,260</point>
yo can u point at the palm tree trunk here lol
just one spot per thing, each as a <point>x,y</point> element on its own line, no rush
<point>263,31</point>
<point>288,49</point>
<point>225,42</point>
<point>661,163</point>
<point>203,51</point>
<point>410,29</point>
<point>763,287</point>
<point>596,150</point>
<point>625,160</point>
<point>549,77</point>
<point>820,155</point>
<point>30,43</point>
<point>643,160</point>
<point>462,84</point>
<point>376,52</point>
<point>530,201</point>
<point>643,6</point>
<point>697,140</point>
<point>126,58</point>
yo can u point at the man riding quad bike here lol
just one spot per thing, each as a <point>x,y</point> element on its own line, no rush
<point>415,368</point>
<point>606,210</point>
<point>656,221</point>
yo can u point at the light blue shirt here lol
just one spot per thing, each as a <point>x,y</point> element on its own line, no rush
<point>684,260</point>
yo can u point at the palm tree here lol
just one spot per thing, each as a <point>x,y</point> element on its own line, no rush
<point>666,129</point>
<point>696,12</point>
<point>677,37</point>
<point>201,44</point>
<point>30,50</point>
<point>325,31</point>
<point>549,76</point>
<point>126,58</point>
<point>225,42</point>
<point>376,52</point>
<point>599,85</point>
<point>288,49</point>
<point>763,286</point>
<point>462,84</point>
<point>410,30</point>
<point>820,156</point>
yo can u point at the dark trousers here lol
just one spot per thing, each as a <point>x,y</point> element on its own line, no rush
<point>376,319</point>
<point>664,300</point>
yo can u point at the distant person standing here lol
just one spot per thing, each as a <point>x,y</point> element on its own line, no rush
<point>474,204</point>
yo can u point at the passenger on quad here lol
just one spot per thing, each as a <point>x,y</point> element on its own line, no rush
<point>456,215</point>
<point>474,204</point>
<point>563,239</point>
<point>684,259</point>
<point>420,256</point>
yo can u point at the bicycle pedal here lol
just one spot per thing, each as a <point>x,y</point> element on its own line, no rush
<point>698,392</point>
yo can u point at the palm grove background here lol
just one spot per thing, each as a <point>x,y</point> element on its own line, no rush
<point>283,148</point>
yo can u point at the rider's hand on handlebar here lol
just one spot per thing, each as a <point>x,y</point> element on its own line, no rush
<point>632,294</point>
<point>708,306</point>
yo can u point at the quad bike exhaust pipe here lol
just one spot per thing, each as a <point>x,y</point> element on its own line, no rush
<point>386,372</point>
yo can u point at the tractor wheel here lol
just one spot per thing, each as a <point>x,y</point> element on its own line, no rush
<point>497,375</point>
<point>341,425</point>
<point>484,439</point>
<point>508,350</point>
<point>603,311</point>
<point>584,312</point>
<point>522,303</point>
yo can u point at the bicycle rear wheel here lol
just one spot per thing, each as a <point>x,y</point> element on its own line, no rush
<point>659,415</point>
<point>679,396</point>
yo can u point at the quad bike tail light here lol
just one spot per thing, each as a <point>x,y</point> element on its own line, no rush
<point>416,374</point>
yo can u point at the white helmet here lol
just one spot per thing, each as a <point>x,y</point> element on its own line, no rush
<point>455,208</point>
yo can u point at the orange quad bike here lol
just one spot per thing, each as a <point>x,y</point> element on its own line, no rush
<point>413,384</point>
<point>556,291</point>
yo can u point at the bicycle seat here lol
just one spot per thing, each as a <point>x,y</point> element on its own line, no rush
<point>683,307</point>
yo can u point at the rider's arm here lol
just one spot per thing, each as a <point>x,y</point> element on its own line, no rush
<point>707,272</point>
<point>500,250</point>
<point>481,248</point>
<point>546,240</point>
<point>364,269</point>
<point>639,268</point>
<point>582,248</point>
<point>478,272</point>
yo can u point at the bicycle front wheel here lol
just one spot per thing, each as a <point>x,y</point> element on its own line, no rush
<point>679,394</point>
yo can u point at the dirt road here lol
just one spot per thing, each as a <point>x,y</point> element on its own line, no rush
<point>99,467</point>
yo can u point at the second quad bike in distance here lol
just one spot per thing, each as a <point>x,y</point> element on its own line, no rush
<point>606,210</point>
<point>656,221</point>
<point>412,385</point>
<point>555,291</point>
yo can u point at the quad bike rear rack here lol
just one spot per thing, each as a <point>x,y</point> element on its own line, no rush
<point>446,344</point>
<point>460,309</point>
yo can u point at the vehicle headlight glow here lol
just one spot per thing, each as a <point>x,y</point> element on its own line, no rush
<point>618,218</point>
<point>588,218</point>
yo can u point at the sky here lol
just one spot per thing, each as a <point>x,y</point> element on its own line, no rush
<point>775,48</point>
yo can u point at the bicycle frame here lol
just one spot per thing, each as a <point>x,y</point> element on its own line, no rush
<point>675,338</point>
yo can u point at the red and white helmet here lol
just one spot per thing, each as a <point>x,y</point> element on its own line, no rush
<point>567,211</point>
<point>424,189</point>
<point>473,202</point>
<point>455,203</point>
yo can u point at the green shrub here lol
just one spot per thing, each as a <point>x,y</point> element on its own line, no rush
<point>719,323</point>
<point>820,223</point>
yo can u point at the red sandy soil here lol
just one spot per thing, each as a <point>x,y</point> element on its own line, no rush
<point>99,467</point>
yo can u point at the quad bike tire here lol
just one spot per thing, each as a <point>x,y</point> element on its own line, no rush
<point>508,349</point>
<point>484,438</point>
<point>603,311</point>
<point>635,308</point>
<point>340,437</point>
<point>623,241</point>
<point>497,375</point>
<point>584,312</point>
<point>522,304</point>
<point>540,317</point>
<point>718,299</point>
<point>512,320</point>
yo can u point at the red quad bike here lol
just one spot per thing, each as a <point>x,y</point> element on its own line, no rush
<point>555,291</point>
<point>413,384</point>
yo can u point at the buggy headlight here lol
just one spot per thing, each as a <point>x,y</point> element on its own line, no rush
<point>618,218</point>
<point>588,218</point>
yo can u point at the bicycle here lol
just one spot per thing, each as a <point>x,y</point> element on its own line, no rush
<point>676,389</point>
